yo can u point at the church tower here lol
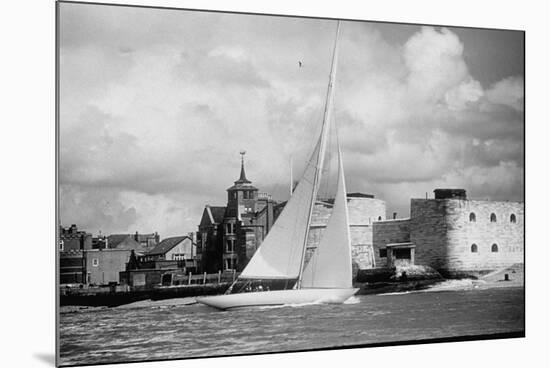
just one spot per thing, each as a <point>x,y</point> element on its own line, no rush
<point>242,196</point>
<point>239,215</point>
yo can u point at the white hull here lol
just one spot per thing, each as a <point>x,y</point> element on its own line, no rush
<point>278,297</point>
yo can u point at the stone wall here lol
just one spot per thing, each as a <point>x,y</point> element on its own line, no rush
<point>387,232</point>
<point>484,233</point>
<point>363,211</point>
<point>444,235</point>
<point>428,224</point>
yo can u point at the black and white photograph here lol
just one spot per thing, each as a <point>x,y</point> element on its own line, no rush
<point>233,183</point>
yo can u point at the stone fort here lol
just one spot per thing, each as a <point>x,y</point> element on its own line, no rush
<point>452,234</point>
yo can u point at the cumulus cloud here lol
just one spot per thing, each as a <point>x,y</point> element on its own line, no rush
<point>508,92</point>
<point>435,62</point>
<point>466,93</point>
<point>152,117</point>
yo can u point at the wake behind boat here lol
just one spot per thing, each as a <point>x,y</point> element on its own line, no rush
<point>280,259</point>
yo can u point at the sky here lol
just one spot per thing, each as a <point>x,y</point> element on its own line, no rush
<point>155,106</point>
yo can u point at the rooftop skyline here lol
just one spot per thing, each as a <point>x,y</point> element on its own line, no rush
<point>155,106</point>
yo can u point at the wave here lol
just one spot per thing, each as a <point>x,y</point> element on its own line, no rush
<point>353,300</point>
<point>460,284</point>
<point>401,292</point>
<point>447,285</point>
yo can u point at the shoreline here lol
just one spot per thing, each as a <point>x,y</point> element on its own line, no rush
<point>446,285</point>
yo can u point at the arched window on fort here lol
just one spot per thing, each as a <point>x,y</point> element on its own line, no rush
<point>473,248</point>
<point>472,217</point>
<point>513,218</point>
<point>494,248</point>
<point>493,217</point>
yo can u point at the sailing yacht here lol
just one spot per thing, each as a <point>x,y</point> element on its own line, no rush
<point>327,277</point>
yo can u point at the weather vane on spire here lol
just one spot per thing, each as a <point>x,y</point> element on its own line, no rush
<point>243,152</point>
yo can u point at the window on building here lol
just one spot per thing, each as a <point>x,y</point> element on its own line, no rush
<point>493,217</point>
<point>234,195</point>
<point>229,264</point>
<point>494,248</point>
<point>379,218</point>
<point>513,218</point>
<point>230,228</point>
<point>402,253</point>
<point>178,256</point>
<point>472,217</point>
<point>95,262</point>
<point>230,246</point>
<point>203,240</point>
<point>383,253</point>
<point>473,248</point>
<point>62,243</point>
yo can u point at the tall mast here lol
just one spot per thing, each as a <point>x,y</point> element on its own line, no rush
<point>323,145</point>
<point>291,177</point>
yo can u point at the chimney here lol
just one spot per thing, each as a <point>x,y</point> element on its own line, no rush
<point>136,237</point>
<point>394,215</point>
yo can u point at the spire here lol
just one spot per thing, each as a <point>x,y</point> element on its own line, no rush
<point>242,179</point>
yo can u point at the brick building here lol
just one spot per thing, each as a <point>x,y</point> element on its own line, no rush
<point>72,262</point>
<point>72,267</point>
<point>228,236</point>
<point>453,235</point>
<point>71,238</point>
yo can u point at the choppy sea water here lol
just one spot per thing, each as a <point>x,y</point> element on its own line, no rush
<point>152,331</point>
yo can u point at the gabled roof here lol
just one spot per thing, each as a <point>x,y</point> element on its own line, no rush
<point>167,244</point>
<point>217,214</point>
<point>212,215</point>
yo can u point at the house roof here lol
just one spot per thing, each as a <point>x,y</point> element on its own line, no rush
<point>211,216</point>
<point>167,244</point>
<point>125,241</point>
<point>216,214</point>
